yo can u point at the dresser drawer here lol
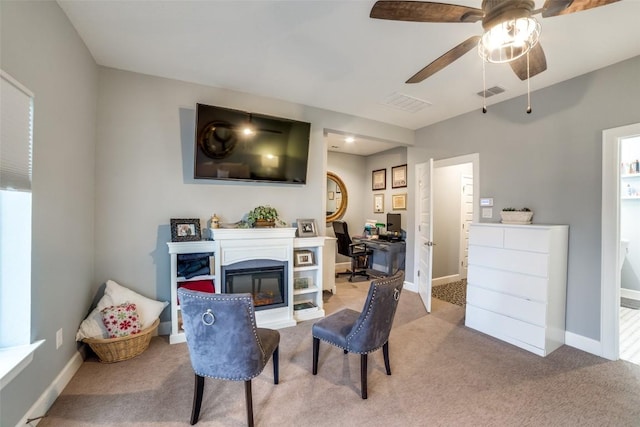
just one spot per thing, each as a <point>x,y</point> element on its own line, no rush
<point>532,263</point>
<point>508,305</point>
<point>486,236</point>
<point>505,328</point>
<point>527,239</point>
<point>522,285</point>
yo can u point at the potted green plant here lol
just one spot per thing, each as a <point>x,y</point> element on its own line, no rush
<point>264,216</point>
<point>516,216</point>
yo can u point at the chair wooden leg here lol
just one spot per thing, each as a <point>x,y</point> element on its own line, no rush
<point>363,374</point>
<point>276,368</point>
<point>198,390</point>
<point>385,354</point>
<point>316,350</point>
<point>249,399</point>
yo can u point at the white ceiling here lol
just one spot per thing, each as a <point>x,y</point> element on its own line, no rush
<point>331,55</point>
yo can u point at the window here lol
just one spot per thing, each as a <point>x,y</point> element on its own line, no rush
<point>16,125</point>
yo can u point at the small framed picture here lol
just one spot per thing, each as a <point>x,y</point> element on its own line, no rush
<point>307,228</point>
<point>399,176</point>
<point>302,258</point>
<point>184,230</point>
<point>331,195</point>
<point>302,283</point>
<point>379,179</point>
<point>399,202</point>
<point>378,203</point>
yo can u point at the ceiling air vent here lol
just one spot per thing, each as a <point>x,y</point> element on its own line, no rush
<point>491,91</point>
<point>405,102</point>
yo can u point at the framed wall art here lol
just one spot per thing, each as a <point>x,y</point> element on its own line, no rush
<point>379,179</point>
<point>184,230</point>
<point>378,203</point>
<point>399,176</point>
<point>399,202</point>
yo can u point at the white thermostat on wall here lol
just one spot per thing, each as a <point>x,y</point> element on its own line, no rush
<point>486,201</point>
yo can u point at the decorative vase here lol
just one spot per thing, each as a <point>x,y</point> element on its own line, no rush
<point>263,223</point>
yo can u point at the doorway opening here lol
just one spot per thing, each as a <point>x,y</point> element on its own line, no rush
<point>447,195</point>
<point>618,203</point>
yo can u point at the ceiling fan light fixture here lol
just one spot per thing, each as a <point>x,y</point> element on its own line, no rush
<point>509,40</point>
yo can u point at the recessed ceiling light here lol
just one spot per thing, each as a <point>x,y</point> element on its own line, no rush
<point>349,139</point>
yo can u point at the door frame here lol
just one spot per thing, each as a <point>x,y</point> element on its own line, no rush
<point>474,159</point>
<point>610,240</point>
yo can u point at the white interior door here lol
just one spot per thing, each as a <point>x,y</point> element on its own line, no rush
<point>424,232</point>
<point>466,217</point>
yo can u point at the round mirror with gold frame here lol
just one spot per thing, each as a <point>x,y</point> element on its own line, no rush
<point>337,197</point>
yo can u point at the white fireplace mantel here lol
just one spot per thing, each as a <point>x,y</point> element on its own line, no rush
<point>235,245</point>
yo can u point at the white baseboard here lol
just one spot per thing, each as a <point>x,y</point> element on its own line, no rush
<point>583,343</point>
<point>445,279</point>
<point>341,267</point>
<point>410,286</point>
<point>629,293</point>
<point>42,405</point>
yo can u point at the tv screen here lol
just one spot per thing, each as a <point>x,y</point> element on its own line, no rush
<point>237,145</point>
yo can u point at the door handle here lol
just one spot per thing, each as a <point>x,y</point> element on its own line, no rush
<point>429,243</point>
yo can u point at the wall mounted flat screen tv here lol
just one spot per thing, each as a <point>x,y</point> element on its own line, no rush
<point>240,146</point>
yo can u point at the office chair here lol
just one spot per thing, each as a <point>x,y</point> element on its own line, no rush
<point>362,332</point>
<point>359,253</point>
<point>225,343</point>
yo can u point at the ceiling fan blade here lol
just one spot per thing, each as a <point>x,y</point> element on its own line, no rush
<point>445,59</point>
<point>565,7</point>
<point>422,11</point>
<point>537,63</point>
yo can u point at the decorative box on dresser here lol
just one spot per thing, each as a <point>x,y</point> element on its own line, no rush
<point>516,284</point>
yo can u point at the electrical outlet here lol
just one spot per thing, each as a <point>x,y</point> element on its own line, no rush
<point>59,338</point>
<point>487,213</point>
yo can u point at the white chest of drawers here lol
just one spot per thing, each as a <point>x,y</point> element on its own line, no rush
<point>517,284</point>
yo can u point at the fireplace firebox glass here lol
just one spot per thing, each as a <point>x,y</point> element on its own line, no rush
<point>266,283</point>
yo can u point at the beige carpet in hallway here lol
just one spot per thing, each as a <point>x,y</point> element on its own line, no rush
<point>443,374</point>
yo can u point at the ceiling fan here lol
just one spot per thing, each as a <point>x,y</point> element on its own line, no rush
<point>510,31</point>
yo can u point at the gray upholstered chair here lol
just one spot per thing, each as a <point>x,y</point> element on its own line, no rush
<point>225,343</point>
<point>362,332</point>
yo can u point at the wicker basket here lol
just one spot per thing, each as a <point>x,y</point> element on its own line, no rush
<point>112,350</point>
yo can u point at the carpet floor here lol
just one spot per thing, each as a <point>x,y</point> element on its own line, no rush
<point>453,292</point>
<point>443,374</point>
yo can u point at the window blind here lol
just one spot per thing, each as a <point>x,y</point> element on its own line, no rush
<point>16,118</point>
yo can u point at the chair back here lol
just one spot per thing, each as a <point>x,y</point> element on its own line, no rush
<point>222,335</point>
<point>371,330</point>
<point>341,231</point>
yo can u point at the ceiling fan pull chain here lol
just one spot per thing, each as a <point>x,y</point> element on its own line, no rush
<point>484,90</point>
<point>528,86</point>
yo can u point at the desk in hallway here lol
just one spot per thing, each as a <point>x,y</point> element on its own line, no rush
<point>388,256</point>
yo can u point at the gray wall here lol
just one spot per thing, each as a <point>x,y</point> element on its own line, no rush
<point>550,161</point>
<point>356,172</point>
<point>352,170</point>
<point>144,172</point>
<point>42,51</point>
<point>387,160</point>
